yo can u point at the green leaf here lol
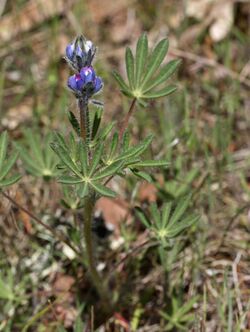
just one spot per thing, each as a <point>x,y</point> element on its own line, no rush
<point>125,140</point>
<point>166,213</point>
<point>8,165</point>
<point>151,163</point>
<point>136,150</point>
<point>179,226</point>
<point>155,60</point>
<point>29,163</point>
<point>179,210</point>
<point>70,179</point>
<point>6,292</point>
<point>83,189</point>
<point>114,144</point>
<point>60,140</point>
<point>96,159</point>
<point>140,214</point>
<point>156,214</point>
<point>143,175</point>
<point>127,93</point>
<point>141,57</point>
<point>161,93</point>
<point>3,147</point>
<point>35,145</point>
<point>96,123</point>
<point>108,170</point>
<point>102,190</point>
<point>130,67</point>
<point>74,122</point>
<point>8,182</point>
<point>121,82</point>
<point>105,132</point>
<point>165,72</point>
<point>130,162</point>
<point>65,158</point>
<point>83,154</point>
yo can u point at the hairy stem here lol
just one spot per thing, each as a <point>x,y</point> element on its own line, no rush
<point>87,232</point>
<point>84,120</point>
<point>57,235</point>
<point>126,120</point>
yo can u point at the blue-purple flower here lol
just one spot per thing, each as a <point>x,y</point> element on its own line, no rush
<point>80,53</point>
<point>85,83</point>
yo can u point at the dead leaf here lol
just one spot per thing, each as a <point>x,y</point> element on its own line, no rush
<point>217,14</point>
<point>107,10</point>
<point>18,115</point>
<point>147,192</point>
<point>114,211</point>
<point>223,22</point>
<point>33,13</point>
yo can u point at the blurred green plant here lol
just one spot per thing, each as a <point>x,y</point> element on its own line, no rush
<point>37,156</point>
<point>180,315</point>
<point>6,163</point>
<point>170,223</point>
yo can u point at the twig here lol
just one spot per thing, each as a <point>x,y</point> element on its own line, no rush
<point>133,251</point>
<point>126,120</point>
<point>229,225</point>
<point>236,283</point>
<point>57,235</point>
<point>210,63</point>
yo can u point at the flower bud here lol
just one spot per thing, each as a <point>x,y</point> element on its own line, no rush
<point>80,53</point>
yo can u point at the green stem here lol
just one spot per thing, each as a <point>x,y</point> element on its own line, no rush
<point>127,117</point>
<point>87,232</point>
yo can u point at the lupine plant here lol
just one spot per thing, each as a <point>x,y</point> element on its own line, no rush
<point>89,159</point>
<point>93,154</point>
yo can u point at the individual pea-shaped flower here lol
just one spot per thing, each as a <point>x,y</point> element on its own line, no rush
<point>86,83</point>
<point>80,53</point>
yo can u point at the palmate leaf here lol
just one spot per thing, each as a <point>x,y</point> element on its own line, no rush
<point>150,163</point>
<point>130,67</point>
<point>102,190</point>
<point>145,73</point>
<point>155,60</point>
<point>66,179</point>
<point>65,158</point>
<point>35,146</point>
<point>108,170</point>
<point>7,166</point>
<point>142,175</point>
<point>9,181</point>
<point>96,123</point>
<point>169,224</point>
<point>161,93</point>
<point>121,82</point>
<point>29,163</point>
<point>96,159</point>
<point>176,229</point>
<point>140,58</point>
<point>113,146</point>
<point>137,150</point>
<point>3,147</point>
<point>165,72</point>
<point>74,122</point>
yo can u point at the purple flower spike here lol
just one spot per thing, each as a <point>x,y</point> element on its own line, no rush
<point>98,84</point>
<point>75,83</point>
<point>88,75</point>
